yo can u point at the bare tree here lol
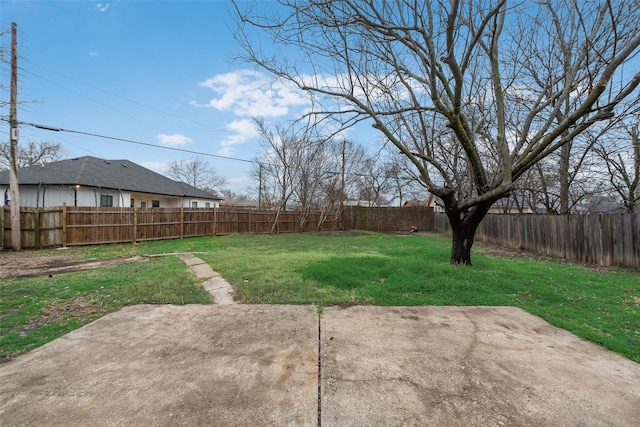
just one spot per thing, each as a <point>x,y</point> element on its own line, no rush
<point>196,172</point>
<point>306,177</point>
<point>232,197</point>
<point>620,152</point>
<point>405,183</point>
<point>302,167</point>
<point>558,184</point>
<point>484,78</point>
<point>374,182</point>
<point>278,169</point>
<point>34,153</point>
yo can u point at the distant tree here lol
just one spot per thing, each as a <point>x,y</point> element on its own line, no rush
<point>555,186</point>
<point>33,153</point>
<point>196,172</point>
<point>405,184</point>
<point>232,196</point>
<point>348,164</point>
<point>290,168</point>
<point>620,152</point>
<point>473,93</point>
<point>374,182</point>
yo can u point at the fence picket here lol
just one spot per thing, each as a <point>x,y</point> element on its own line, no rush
<point>602,239</point>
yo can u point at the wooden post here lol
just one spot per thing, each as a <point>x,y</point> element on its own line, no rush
<point>215,220</point>
<point>182,221</point>
<point>16,232</point>
<point>37,228</point>
<point>2,228</point>
<point>64,224</point>
<point>134,236</point>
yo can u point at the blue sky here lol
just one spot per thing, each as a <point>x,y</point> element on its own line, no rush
<point>158,72</point>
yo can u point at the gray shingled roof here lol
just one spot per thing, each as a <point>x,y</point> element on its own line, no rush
<point>113,174</point>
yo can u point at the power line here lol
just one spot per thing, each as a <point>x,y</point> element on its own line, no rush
<point>57,129</point>
<point>89,98</point>
<point>116,96</point>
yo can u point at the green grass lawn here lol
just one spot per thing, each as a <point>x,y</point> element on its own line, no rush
<point>380,269</point>
<point>34,311</point>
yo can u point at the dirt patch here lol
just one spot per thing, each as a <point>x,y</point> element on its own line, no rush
<point>493,251</point>
<point>59,311</point>
<point>499,252</point>
<point>15,265</point>
<point>11,263</point>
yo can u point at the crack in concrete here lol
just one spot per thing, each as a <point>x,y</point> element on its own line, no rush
<point>474,338</point>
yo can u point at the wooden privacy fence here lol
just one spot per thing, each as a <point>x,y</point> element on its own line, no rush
<point>69,226</point>
<point>602,239</point>
<point>39,227</point>
<point>388,218</point>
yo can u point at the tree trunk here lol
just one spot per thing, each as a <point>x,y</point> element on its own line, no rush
<point>565,157</point>
<point>464,226</point>
<point>461,245</point>
<point>274,226</point>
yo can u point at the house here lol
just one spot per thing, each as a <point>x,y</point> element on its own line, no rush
<point>599,207</point>
<point>411,203</point>
<point>90,181</point>
<point>241,203</point>
<point>507,205</point>
<point>360,203</point>
<point>435,203</point>
<point>501,206</point>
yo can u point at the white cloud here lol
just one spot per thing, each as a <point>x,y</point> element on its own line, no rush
<point>243,130</point>
<point>93,54</point>
<point>102,7</point>
<point>225,151</point>
<point>175,140</point>
<point>250,93</point>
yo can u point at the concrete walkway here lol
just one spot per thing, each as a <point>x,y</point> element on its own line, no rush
<point>221,291</point>
<point>270,365</point>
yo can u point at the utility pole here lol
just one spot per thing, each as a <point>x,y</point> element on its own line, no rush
<point>13,137</point>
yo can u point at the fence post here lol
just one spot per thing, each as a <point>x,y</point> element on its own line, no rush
<point>135,225</point>
<point>182,221</point>
<point>37,228</point>
<point>2,228</point>
<point>64,224</point>
<point>215,220</point>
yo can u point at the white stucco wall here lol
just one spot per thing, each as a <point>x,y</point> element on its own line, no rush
<point>147,199</point>
<point>56,195</point>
